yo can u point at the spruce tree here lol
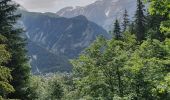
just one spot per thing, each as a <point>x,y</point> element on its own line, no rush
<point>140,21</point>
<point>125,20</point>
<point>16,47</point>
<point>116,30</point>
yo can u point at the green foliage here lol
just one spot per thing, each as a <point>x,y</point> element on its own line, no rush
<point>147,67</point>
<point>161,7</point>
<point>5,73</point>
<point>153,27</point>
<point>37,89</point>
<point>122,69</point>
<point>116,69</point>
<point>99,71</point>
<point>165,27</point>
<point>15,44</point>
<point>56,89</point>
<point>46,87</point>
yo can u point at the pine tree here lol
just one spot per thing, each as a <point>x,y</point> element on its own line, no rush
<point>16,46</point>
<point>125,20</point>
<point>116,30</point>
<point>140,21</point>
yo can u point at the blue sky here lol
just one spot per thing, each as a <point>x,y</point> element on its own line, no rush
<point>51,5</point>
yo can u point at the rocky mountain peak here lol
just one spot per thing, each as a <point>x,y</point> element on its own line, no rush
<point>102,12</point>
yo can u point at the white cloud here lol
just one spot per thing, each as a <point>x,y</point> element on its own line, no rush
<point>51,5</point>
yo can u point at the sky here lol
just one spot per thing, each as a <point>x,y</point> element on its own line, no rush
<point>51,5</point>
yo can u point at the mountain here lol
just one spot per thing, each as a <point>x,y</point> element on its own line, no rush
<point>44,61</point>
<point>54,40</point>
<point>102,12</point>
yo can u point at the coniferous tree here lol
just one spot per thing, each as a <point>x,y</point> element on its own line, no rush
<point>16,46</point>
<point>116,31</point>
<point>125,20</point>
<point>140,21</point>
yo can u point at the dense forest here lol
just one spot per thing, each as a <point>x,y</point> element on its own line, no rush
<point>132,65</point>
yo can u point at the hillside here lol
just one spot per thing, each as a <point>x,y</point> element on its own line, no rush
<point>54,36</point>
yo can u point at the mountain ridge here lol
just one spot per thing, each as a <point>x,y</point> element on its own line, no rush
<point>102,12</point>
<point>63,37</point>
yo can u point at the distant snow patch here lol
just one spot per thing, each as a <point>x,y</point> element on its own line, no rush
<point>34,57</point>
<point>107,13</point>
<point>27,34</point>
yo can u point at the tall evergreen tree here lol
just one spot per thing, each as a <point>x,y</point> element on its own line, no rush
<point>116,31</point>
<point>140,21</point>
<point>16,46</point>
<point>125,20</point>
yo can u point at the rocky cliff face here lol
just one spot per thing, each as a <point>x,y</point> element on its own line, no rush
<point>53,40</point>
<point>102,12</point>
